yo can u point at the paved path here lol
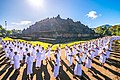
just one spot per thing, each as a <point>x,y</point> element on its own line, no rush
<point>110,71</point>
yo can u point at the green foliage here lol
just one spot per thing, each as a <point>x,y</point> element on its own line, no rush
<point>8,32</point>
<point>4,32</point>
<point>104,30</point>
<point>115,30</point>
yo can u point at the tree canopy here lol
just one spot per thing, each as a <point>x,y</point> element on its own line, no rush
<point>8,33</point>
<point>105,30</point>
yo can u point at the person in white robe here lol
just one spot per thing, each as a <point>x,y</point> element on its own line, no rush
<point>38,59</point>
<point>29,66</point>
<point>71,55</point>
<point>88,62</point>
<point>56,66</point>
<point>11,55</point>
<point>43,57</point>
<point>15,48</point>
<point>48,53</point>
<point>107,53</point>
<point>111,41</point>
<point>6,52</point>
<point>66,52</point>
<point>21,53</point>
<point>25,55</point>
<point>59,49</point>
<point>84,54</point>
<point>75,48</point>
<point>40,48</point>
<point>92,52</point>
<point>78,66</point>
<point>80,49</point>
<point>16,60</point>
<point>34,53</point>
<point>30,49</point>
<point>102,55</point>
<point>18,50</point>
<point>96,50</point>
<point>36,47</point>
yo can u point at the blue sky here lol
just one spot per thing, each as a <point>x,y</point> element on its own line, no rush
<point>19,14</point>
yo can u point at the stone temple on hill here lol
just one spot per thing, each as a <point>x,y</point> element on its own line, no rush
<point>56,29</point>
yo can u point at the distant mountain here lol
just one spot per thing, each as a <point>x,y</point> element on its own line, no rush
<point>57,27</point>
<point>107,25</point>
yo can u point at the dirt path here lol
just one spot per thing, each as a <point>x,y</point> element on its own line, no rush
<point>110,71</point>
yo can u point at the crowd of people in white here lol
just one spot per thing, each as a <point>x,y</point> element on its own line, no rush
<point>83,53</point>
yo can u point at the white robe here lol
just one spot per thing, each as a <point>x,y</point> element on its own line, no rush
<point>30,50</point>
<point>48,53</point>
<point>107,54</point>
<point>70,58</point>
<point>78,67</point>
<point>75,49</point>
<point>29,65</point>
<point>56,68</point>
<point>58,56</point>
<point>34,54</point>
<point>92,54</point>
<point>43,57</point>
<point>6,51</point>
<point>38,59</point>
<point>11,55</point>
<point>80,50</point>
<point>111,41</point>
<point>96,52</point>
<point>100,50</point>
<point>21,54</point>
<point>59,51</point>
<point>16,61</point>
<point>102,58</point>
<point>66,52</point>
<point>84,56</point>
<point>88,61</point>
<point>25,53</point>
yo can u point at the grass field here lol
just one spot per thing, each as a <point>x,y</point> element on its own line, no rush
<point>45,45</point>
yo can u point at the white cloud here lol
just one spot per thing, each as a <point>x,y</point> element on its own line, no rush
<point>20,25</point>
<point>93,15</point>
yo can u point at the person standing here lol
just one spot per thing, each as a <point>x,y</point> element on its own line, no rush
<point>38,59</point>
<point>78,66</point>
<point>16,60</point>
<point>88,60</point>
<point>66,51</point>
<point>84,54</point>
<point>11,55</point>
<point>56,66</point>
<point>49,50</point>
<point>103,57</point>
<point>21,52</point>
<point>71,55</point>
<point>29,66</point>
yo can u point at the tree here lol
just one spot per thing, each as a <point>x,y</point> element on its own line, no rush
<point>8,33</point>
<point>111,30</point>
<point>103,30</point>
<point>4,32</point>
<point>100,30</point>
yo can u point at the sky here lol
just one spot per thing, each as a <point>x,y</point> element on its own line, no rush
<point>20,14</point>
